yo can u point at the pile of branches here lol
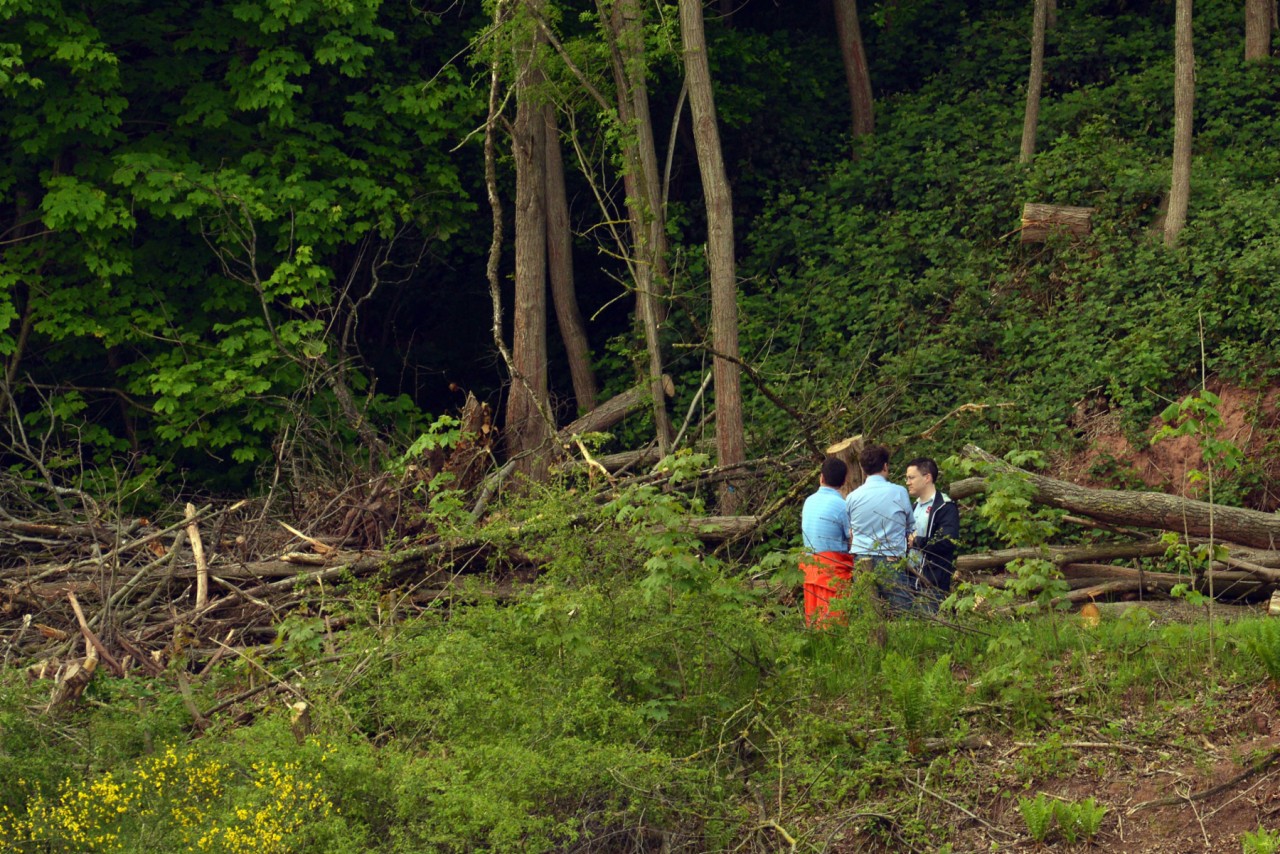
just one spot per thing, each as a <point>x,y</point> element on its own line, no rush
<point>1245,564</point>
<point>86,588</point>
<point>132,595</point>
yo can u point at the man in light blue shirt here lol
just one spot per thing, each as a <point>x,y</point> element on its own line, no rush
<point>824,522</point>
<point>828,567</point>
<point>880,515</point>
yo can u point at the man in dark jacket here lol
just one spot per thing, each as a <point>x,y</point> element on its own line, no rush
<point>933,545</point>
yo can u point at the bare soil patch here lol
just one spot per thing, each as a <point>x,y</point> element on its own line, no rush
<point>1250,419</point>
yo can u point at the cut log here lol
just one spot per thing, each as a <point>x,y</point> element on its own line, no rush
<point>1061,555</point>
<point>1184,516</point>
<point>1107,588</point>
<point>614,410</point>
<point>1227,584</point>
<point>716,529</point>
<point>1040,220</point>
<point>967,488</point>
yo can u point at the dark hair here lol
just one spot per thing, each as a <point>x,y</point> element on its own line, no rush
<point>834,471</point>
<point>924,465</point>
<point>874,458</point>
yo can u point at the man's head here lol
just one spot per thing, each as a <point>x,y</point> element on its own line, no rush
<point>834,472</point>
<point>874,459</point>
<point>922,475</point>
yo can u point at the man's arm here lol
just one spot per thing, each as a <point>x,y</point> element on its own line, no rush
<point>904,500</point>
<point>946,530</point>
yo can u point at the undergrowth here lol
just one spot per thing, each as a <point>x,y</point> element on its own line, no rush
<point>639,693</point>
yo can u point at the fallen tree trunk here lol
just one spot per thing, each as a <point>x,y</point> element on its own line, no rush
<point>614,463</point>
<point>613,410</point>
<point>717,529</point>
<point>1102,570</point>
<point>1096,580</point>
<point>1148,509</point>
<point>1061,555</point>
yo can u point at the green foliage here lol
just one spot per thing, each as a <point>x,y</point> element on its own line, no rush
<point>1078,818</point>
<point>898,275</point>
<point>1074,819</point>
<point>1260,642</point>
<point>300,638</point>
<point>206,194</point>
<point>1260,841</point>
<point>1015,519</point>
<point>1199,416</point>
<point>1038,813</point>
<point>923,700</point>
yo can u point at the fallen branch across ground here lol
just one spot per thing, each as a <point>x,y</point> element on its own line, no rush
<point>1177,800</point>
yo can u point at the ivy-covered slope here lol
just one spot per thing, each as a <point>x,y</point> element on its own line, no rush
<point>895,283</point>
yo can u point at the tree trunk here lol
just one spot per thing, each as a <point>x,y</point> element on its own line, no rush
<point>1035,82</point>
<point>1150,509</point>
<point>1184,93</point>
<point>856,73</point>
<point>1257,29</point>
<point>613,410</point>
<point>1051,16</point>
<point>560,266</point>
<point>526,430</point>
<point>625,29</point>
<point>730,444</point>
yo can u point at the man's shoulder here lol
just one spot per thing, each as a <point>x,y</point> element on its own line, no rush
<point>824,495</point>
<point>867,486</point>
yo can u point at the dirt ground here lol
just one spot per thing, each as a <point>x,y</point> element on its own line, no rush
<point>1190,789</point>
<point>1136,780</point>
<point>1250,420</point>
<point>1178,777</point>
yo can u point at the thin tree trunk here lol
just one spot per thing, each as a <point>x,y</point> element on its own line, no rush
<point>643,189</point>
<point>492,266</point>
<point>1031,118</point>
<point>22,302</point>
<point>1051,17</point>
<point>1257,29</point>
<point>730,444</point>
<point>856,73</point>
<point>1184,93</point>
<point>526,430</point>
<point>560,266</point>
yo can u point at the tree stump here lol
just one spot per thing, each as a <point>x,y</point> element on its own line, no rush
<point>848,450</point>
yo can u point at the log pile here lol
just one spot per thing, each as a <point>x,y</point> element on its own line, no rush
<point>1246,542</point>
